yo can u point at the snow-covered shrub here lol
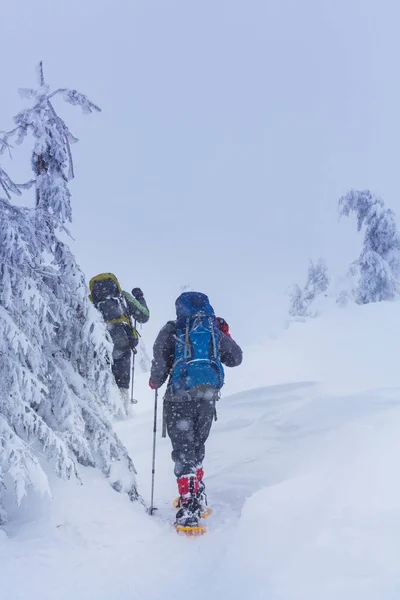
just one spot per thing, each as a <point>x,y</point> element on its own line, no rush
<point>317,283</point>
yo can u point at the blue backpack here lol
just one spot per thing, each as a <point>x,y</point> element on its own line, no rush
<point>197,359</point>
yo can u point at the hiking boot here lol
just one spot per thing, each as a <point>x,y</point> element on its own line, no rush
<point>189,508</point>
<point>193,486</point>
<point>187,504</point>
<point>189,513</point>
<point>188,486</point>
<point>201,493</point>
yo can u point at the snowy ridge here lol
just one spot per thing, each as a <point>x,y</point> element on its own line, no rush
<point>303,483</point>
<point>346,349</point>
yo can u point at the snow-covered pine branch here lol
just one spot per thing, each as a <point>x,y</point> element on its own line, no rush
<point>58,394</point>
<point>378,266</point>
<point>8,186</point>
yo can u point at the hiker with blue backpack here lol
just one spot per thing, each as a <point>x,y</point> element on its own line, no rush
<point>191,351</point>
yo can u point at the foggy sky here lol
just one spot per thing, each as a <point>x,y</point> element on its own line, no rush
<point>229,131</point>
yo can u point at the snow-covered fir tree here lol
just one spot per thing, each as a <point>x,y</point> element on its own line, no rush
<point>317,283</point>
<point>378,266</point>
<point>57,394</point>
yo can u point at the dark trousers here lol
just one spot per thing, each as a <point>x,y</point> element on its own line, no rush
<point>188,425</point>
<point>121,367</point>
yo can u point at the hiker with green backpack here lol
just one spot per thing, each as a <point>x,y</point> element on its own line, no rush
<point>121,311</point>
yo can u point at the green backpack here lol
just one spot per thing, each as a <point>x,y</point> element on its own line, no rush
<point>106,295</point>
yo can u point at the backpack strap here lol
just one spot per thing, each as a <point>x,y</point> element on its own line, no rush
<point>187,348</point>
<point>213,338</point>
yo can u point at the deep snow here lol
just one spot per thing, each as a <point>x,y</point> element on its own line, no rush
<point>301,472</point>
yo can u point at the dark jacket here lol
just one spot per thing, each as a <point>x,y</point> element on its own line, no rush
<point>164,353</point>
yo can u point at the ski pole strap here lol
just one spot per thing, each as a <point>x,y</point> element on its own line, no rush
<point>164,421</point>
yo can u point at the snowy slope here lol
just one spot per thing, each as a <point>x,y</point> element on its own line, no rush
<point>301,474</point>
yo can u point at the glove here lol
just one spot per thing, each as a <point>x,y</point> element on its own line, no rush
<point>223,326</point>
<point>137,293</point>
<point>153,387</point>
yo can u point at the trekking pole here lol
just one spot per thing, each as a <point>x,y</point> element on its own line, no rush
<point>133,401</point>
<point>152,508</point>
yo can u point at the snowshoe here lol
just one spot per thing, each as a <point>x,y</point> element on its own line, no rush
<point>205,511</point>
<point>190,531</point>
<point>187,518</point>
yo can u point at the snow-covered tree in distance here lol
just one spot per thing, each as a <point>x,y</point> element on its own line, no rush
<point>378,266</point>
<point>317,283</point>
<point>57,394</point>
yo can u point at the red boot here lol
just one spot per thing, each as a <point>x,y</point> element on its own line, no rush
<point>188,485</point>
<point>189,508</point>
<point>200,473</point>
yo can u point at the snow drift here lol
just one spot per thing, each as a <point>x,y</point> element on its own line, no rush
<point>347,349</point>
<point>301,472</point>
